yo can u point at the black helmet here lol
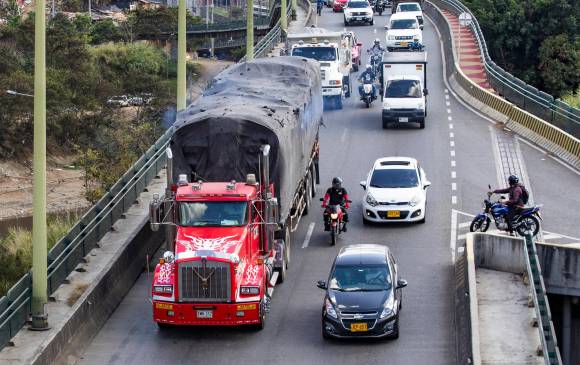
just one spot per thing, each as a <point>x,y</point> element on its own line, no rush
<point>337,182</point>
<point>513,179</point>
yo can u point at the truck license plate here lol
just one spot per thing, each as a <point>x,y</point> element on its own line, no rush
<point>204,314</point>
<point>358,327</point>
<point>403,120</point>
<point>393,214</point>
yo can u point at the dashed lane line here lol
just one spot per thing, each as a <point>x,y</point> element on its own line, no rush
<point>308,235</point>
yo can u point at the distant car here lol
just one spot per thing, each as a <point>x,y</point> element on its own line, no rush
<point>413,9</point>
<point>358,11</point>
<point>329,3</point>
<point>121,100</point>
<point>402,31</point>
<point>396,191</point>
<point>338,5</point>
<point>363,293</point>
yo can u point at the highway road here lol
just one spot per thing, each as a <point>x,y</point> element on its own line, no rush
<point>457,150</point>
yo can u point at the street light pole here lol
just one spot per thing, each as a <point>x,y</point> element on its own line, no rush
<point>39,243</point>
<point>181,52</point>
<point>250,31</point>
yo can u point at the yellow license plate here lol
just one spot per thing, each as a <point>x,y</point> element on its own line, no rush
<point>393,214</point>
<point>359,327</point>
<point>164,306</point>
<point>404,44</point>
<point>246,307</point>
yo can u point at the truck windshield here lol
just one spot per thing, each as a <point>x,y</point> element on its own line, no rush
<point>316,53</point>
<point>403,89</point>
<point>409,7</point>
<point>217,214</point>
<point>404,24</point>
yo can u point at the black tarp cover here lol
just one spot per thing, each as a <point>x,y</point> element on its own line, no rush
<point>275,101</point>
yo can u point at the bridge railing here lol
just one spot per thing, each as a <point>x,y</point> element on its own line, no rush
<point>63,258</point>
<point>524,122</point>
<point>548,339</point>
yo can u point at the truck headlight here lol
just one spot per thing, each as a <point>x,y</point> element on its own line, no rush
<point>330,309</point>
<point>249,290</point>
<point>163,289</point>
<point>335,82</point>
<point>371,200</point>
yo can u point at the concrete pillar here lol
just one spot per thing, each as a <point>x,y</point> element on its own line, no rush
<point>567,331</point>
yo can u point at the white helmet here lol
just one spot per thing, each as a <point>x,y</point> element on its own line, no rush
<point>368,67</point>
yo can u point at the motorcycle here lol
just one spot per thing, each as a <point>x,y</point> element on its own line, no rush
<point>416,46</point>
<point>528,220</point>
<point>379,7</point>
<point>336,221</point>
<point>375,62</point>
<point>367,94</point>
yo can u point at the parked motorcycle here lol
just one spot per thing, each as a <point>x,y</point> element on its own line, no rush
<point>336,220</point>
<point>528,220</point>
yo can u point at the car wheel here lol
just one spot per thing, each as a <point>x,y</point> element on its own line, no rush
<point>366,222</point>
<point>372,22</point>
<point>345,23</point>
<point>422,123</point>
<point>385,124</point>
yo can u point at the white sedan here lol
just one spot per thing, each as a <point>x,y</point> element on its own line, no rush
<point>396,191</point>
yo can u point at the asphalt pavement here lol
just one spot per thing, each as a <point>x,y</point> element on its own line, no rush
<point>456,152</point>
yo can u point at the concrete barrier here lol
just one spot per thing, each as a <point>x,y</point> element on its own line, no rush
<point>561,267</point>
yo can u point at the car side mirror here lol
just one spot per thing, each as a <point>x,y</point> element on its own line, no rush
<point>386,27</point>
<point>401,283</point>
<point>363,184</point>
<point>359,44</point>
<point>426,184</point>
<point>321,199</point>
<point>321,284</point>
<point>425,92</point>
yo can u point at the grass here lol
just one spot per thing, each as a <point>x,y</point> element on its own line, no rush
<point>573,99</point>
<point>16,249</point>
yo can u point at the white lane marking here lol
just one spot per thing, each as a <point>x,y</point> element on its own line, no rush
<point>446,91</point>
<point>448,111</point>
<point>450,125</point>
<point>464,224</point>
<point>453,239</point>
<point>577,172</point>
<point>450,118</point>
<point>308,235</point>
<point>453,174</point>
<point>343,136</point>
<point>453,200</point>
<point>462,236</point>
<point>451,135</point>
<point>453,163</point>
<point>447,103</point>
<point>446,97</point>
<point>453,186</point>
<point>451,144</point>
<point>375,30</point>
<point>495,149</point>
<point>452,153</point>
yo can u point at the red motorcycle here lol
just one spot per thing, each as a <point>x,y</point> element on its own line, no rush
<point>334,215</point>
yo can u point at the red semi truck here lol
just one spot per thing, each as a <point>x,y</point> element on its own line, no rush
<point>243,163</point>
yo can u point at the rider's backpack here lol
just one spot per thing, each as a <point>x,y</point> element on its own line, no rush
<point>525,195</point>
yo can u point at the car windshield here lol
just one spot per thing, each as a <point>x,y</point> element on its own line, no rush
<point>316,53</point>
<point>403,89</point>
<point>217,214</point>
<point>394,178</point>
<point>409,7</point>
<point>360,278</point>
<point>357,4</point>
<point>404,24</point>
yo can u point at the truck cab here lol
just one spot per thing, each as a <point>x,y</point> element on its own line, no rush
<point>404,88</point>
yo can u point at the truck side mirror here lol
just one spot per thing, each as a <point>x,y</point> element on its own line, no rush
<point>154,213</point>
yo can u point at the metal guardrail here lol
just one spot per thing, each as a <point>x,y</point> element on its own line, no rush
<point>548,339</point>
<point>83,237</point>
<point>548,135</point>
<point>527,97</point>
<point>63,258</point>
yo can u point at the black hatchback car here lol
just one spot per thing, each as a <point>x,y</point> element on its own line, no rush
<point>363,294</point>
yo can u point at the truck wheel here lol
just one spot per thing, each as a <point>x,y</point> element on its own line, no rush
<point>385,124</point>
<point>307,195</point>
<point>287,244</point>
<point>313,174</point>
<point>283,271</point>
<point>260,326</point>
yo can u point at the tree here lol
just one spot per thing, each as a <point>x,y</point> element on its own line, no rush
<point>559,64</point>
<point>105,31</point>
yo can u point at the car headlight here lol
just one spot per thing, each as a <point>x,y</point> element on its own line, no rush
<point>415,201</point>
<point>249,290</point>
<point>330,309</point>
<point>334,82</point>
<point>388,310</point>
<point>163,289</point>
<point>371,200</point>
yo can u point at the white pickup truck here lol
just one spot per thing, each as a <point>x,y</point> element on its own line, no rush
<point>404,87</point>
<point>333,51</point>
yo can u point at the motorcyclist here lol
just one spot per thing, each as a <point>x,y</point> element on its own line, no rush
<point>335,195</point>
<point>376,49</point>
<point>319,5</point>
<point>515,202</point>
<point>364,77</point>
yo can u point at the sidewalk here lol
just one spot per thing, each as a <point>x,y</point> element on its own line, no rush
<point>469,57</point>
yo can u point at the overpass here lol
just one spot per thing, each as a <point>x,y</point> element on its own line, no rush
<point>462,149</point>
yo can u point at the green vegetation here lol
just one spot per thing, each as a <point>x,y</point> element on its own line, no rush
<point>16,249</point>
<point>573,99</point>
<point>536,40</point>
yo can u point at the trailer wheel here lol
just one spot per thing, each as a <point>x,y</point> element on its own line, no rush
<point>314,176</point>
<point>287,244</point>
<point>307,195</point>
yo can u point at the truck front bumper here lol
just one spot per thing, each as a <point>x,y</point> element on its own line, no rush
<point>222,314</point>
<point>403,116</point>
<point>332,90</point>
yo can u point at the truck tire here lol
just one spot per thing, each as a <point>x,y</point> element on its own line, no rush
<point>287,244</point>
<point>307,194</point>
<point>283,271</point>
<point>314,171</point>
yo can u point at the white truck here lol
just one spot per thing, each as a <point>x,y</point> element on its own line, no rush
<point>404,87</point>
<point>333,51</point>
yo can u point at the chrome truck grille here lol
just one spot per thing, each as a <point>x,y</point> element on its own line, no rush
<point>204,281</point>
